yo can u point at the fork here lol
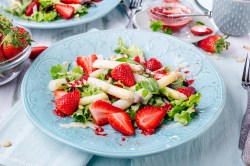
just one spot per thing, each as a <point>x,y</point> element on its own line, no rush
<point>245,126</point>
<point>134,6</point>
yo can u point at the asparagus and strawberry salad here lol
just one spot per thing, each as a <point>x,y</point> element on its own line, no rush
<point>126,91</point>
<point>50,10</point>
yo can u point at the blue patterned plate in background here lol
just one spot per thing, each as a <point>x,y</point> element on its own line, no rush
<point>171,51</point>
<point>101,9</point>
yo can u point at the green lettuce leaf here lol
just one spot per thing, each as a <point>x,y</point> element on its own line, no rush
<point>132,51</point>
<point>89,90</point>
<point>59,71</point>
<point>181,105</point>
<point>82,115</point>
<point>150,84</point>
<point>185,116</point>
<point>132,110</point>
<point>156,101</point>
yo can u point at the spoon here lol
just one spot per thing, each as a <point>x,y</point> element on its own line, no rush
<point>208,14</point>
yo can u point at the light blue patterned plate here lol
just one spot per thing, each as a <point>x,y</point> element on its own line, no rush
<point>171,51</point>
<point>101,9</point>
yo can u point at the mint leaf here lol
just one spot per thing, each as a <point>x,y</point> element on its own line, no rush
<point>156,26</point>
<point>168,31</point>
<point>199,23</point>
<point>59,71</point>
<point>150,84</point>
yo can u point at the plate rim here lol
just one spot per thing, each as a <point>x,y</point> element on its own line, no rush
<point>54,25</point>
<point>115,154</point>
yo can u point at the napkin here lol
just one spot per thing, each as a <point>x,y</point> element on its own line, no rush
<point>31,147</point>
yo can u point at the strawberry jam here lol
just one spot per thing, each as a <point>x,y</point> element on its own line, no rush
<point>123,138</point>
<point>98,131</point>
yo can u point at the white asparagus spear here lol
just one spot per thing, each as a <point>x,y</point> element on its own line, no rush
<point>138,77</point>
<point>57,84</point>
<point>166,80</point>
<point>97,73</point>
<point>107,64</point>
<point>89,99</point>
<point>124,104</point>
<point>173,93</point>
<point>115,91</point>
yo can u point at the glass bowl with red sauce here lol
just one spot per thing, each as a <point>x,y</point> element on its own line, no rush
<point>159,11</point>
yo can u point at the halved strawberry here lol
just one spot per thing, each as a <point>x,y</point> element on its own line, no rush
<point>33,6</point>
<point>159,74</point>
<point>86,63</point>
<point>121,122</point>
<point>123,73</point>
<point>37,51</point>
<point>72,1</point>
<point>59,93</point>
<point>137,59</point>
<point>2,57</point>
<point>153,64</point>
<point>188,91</point>
<point>100,110</point>
<point>200,30</point>
<point>10,50</point>
<point>68,103</point>
<point>149,117</point>
<point>65,11</point>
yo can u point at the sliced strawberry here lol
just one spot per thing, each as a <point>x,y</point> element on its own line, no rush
<point>86,63</point>
<point>65,11</point>
<point>2,57</point>
<point>167,106</point>
<point>200,30</point>
<point>123,73</point>
<point>11,51</point>
<point>188,91</point>
<point>121,122</point>
<point>149,117</point>
<point>68,103</point>
<point>153,64</point>
<point>33,6</point>
<point>37,51</point>
<point>59,93</point>
<point>100,110</point>
<point>137,59</point>
<point>72,1</point>
<point>159,74</point>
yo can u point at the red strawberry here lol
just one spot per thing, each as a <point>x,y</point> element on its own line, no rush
<point>200,30</point>
<point>65,11</point>
<point>123,73</point>
<point>86,63</point>
<point>153,64</point>
<point>72,1</point>
<point>37,51</point>
<point>31,7</point>
<point>188,91</point>
<point>2,57</point>
<point>214,43</point>
<point>121,122</point>
<point>167,106</point>
<point>59,93</point>
<point>159,74</point>
<point>150,117</point>
<point>68,103</point>
<point>137,59</point>
<point>100,110</point>
<point>11,51</point>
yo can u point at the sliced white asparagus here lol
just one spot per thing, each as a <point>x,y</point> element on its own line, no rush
<point>166,80</point>
<point>138,77</point>
<point>89,99</point>
<point>97,73</point>
<point>57,84</point>
<point>124,104</point>
<point>115,91</point>
<point>107,64</point>
<point>172,93</point>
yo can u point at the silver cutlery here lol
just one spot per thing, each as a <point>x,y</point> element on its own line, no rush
<point>125,7</point>
<point>208,14</point>
<point>245,126</point>
<point>134,6</point>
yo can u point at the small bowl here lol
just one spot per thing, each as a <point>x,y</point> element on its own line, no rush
<point>155,11</point>
<point>10,68</point>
